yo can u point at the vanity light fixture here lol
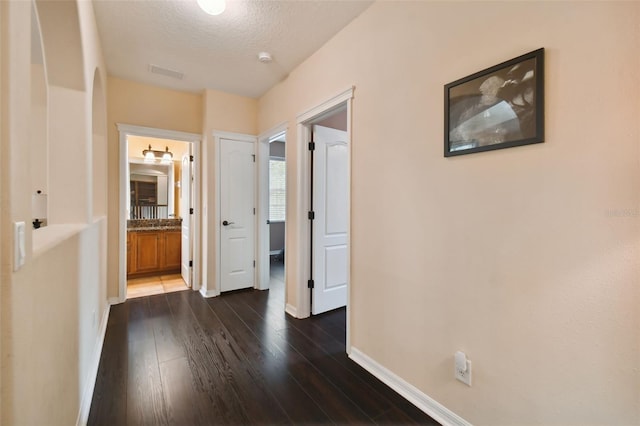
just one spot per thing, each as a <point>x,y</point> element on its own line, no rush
<point>150,155</point>
<point>212,7</point>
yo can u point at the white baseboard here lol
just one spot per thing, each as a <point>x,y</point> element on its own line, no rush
<point>87,394</point>
<point>114,300</point>
<point>291,310</point>
<point>437,411</point>
<point>207,293</point>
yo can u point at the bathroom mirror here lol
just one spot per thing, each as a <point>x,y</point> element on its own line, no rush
<point>151,189</point>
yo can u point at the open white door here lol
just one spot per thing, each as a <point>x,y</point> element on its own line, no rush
<point>330,224</point>
<point>237,214</point>
<point>186,181</point>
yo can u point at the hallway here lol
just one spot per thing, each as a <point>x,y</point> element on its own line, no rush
<point>235,359</point>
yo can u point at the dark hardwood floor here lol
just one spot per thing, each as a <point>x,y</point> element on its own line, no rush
<point>237,359</point>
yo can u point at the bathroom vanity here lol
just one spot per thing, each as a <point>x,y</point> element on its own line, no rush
<point>153,247</point>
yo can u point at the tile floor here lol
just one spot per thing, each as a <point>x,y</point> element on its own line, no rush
<point>159,284</point>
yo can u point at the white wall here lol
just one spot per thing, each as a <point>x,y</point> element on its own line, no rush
<point>524,258</point>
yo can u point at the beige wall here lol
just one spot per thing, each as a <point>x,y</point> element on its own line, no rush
<point>139,104</point>
<point>129,102</point>
<point>524,258</point>
<point>54,306</point>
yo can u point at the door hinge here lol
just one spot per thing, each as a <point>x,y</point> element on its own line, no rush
<point>254,263</point>
<point>312,215</point>
<point>191,264</point>
<point>254,210</point>
<point>254,157</point>
<point>310,284</point>
<point>191,158</point>
<point>191,210</point>
<point>312,146</point>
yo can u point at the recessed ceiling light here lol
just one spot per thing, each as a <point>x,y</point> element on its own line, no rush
<point>212,7</point>
<point>265,57</point>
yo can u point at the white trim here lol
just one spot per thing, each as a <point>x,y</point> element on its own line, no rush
<point>208,293</point>
<point>152,132</point>
<point>279,128</point>
<point>325,106</point>
<point>234,136</point>
<point>196,139</point>
<point>424,402</point>
<point>87,393</point>
<point>304,121</point>
<point>263,264</point>
<point>239,137</point>
<point>291,310</point>
<point>114,300</point>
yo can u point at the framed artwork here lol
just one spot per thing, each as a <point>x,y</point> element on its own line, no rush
<point>499,107</point>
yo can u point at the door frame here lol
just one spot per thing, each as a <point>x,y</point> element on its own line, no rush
<point>263,261</point>
<point>217,136</point>
<point>126,130</point>
<point>305,121</point>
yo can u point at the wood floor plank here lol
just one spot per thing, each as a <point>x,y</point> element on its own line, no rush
<point>238,359</point>
<point>273,366</point>
<point>109,403</point>
<point>248,382</point>
<point>214,394</point>
<point>372,403</point>
<point>326,394</point>
<point>177,382</point>
<point>139,322</point>
<point>395,417</point>
<point>145,397</point>
<point>257,302</point>
<point>168,344</point>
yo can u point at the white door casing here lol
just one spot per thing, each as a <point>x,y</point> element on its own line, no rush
<point>237,214</point>
<point>199,239</point>
<point>330,224</point>
<point>186,180</point>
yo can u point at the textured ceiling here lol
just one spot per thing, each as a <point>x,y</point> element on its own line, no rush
<point>217,52</point>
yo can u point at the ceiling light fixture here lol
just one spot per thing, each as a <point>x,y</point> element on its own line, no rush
<point>150,155</point>
<point>212,7</point>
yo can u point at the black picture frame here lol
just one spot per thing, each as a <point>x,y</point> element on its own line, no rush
<point>499,107</point>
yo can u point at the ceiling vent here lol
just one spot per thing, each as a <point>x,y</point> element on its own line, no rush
<point>166,72</point>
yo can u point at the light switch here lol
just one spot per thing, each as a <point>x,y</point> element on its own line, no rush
<point>18,245</point>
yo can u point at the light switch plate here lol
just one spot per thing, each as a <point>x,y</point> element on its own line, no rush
<point>18,245</point>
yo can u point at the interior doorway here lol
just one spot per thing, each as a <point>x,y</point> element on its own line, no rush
<point>324,260</point>
<point>158,234</point>
<point>272,210</point>
<point>159,189</point>
<point>277,215</point>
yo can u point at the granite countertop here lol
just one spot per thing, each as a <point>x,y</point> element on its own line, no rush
<point>154,228</point>
<point>150,225</point>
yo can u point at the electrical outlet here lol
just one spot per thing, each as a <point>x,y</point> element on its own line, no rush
<point>463,375</point>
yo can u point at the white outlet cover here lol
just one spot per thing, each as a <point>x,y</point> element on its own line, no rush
<point>463,376</point>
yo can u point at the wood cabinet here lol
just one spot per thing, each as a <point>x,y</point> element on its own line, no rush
<point>152,252</point>
<point>173,250</point>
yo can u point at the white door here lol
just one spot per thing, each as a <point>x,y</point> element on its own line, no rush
<point>186,182</point>
<point>237,202</point>
<point>330,204</point>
